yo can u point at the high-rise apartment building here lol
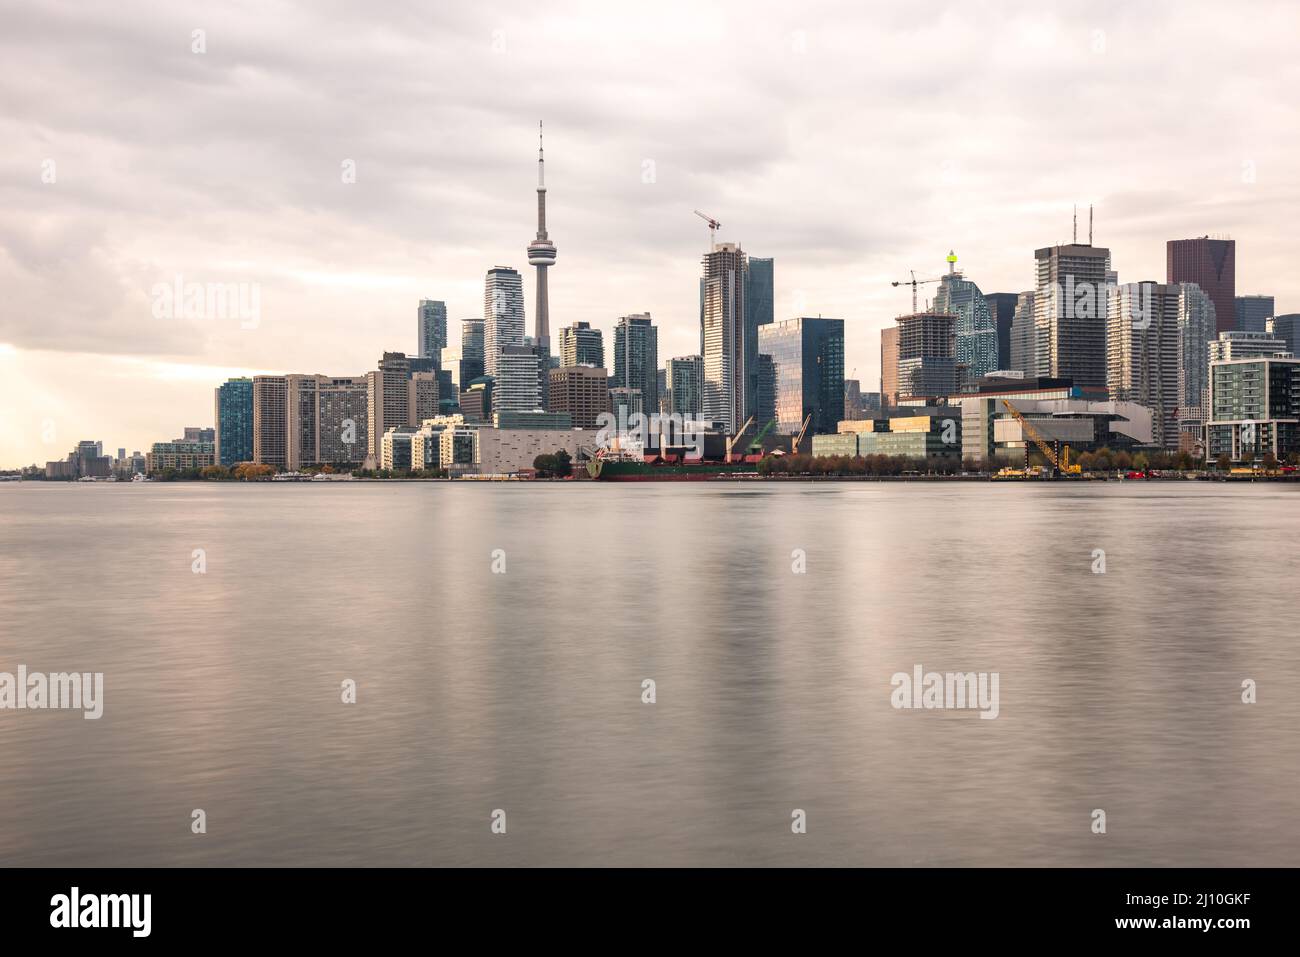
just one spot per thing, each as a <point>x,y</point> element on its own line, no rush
<point>1253,313</point>
<point>388,402</point>
<point>1255,408</point>
<point>328,420</point>
<point>431,321</point>
<point>581,345</point>
<point>1024,351</point>
<point>1070,302</point>
<point>270,420</point>
<point>636,358</point>
<point>1212,265</point>
<point>723,336</point>
<point>234,419</point>
<point>807,358</point>
<point>582,391</point>
<point>503,314</point>
<point>1246,345</point>
<point>1144,352</point>
<point>516,386</point>
<point>1196,324</point>
<point>927,363</point>
<point>684,377</point>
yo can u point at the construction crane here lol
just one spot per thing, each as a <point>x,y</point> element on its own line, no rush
<point>913,282</point>
<point>735,439</point>
<point>714,226</point>
<point>1062,466</point>
<point>757,444</point>
<point>798,439</point>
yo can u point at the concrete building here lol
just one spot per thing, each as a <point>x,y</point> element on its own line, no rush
<point>516,385</point>
<point>684,376</point>
<point>1246,345</point>
<point>581,392</point>
<point>476,400</point>
<point>270,420</point>
<point>180,455</point>
<point>1212,265</point>
<point>233,414</point>
<point>1024,337</point>
<point>503,314</point>
<point>581,345</point>
<point>723,336</point>
<point>507,451</point>
<point>807,356</point>
<point>1070,302</point>
<point>1255,409</point>
<point>927,364</point>
<point>328,420</point>
<point>1144,352</point>
<point>889,367</point>
<point>388,401</point>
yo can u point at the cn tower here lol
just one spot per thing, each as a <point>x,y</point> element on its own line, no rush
<point>541,252</point>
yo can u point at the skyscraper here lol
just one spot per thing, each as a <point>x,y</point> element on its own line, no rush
<point>580,390</point>
<point>270,420</point>
<point>807,357</point>
<point>1002,306</point>
<point>927,363</point>
<point>1253,313</point>
<point>388,402</point>
<point>1024,354</point>
<point>1195,329</point>
<point>1144,352</point>
<point>888,367</point>
<point>636,358</point>
<point>471,351</point>
<point>581,345</point>
<point>1070,302</point>
<point>759,311</point>
<point>723,336</point>
<point>517,387</point>
<point>977,334</point>
<point>1212,265</point>
<point>541,253</point>
<point>431,322</point>
<point>683,375</point>
<point>327,420</point>
<point>234,418</point>
<point>503,314</point>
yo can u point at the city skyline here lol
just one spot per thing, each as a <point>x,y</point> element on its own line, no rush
<point>340,264</point>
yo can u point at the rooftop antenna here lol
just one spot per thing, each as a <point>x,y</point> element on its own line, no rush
<point>1075,237</point>
<point>1090,224</point>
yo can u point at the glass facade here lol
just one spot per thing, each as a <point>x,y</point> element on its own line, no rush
<point>235,421</point>
<point>808,368</point>
<point>976,331</point>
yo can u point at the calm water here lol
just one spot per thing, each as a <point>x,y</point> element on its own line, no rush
<point>522,691</point>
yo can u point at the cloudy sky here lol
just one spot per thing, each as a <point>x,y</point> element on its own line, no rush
<point>851,142</point>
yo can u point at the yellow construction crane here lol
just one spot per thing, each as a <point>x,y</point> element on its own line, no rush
<point>1062,466</point>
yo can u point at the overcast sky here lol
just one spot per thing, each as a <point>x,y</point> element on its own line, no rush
<point>852,142</point>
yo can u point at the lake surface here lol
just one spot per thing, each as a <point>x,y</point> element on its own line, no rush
<point>522,691</point>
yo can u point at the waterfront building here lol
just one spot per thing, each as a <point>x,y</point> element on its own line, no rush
<point>180,455</point>
<point>328,418</point>
<point>807,358</point>
<point>1144,352</point>
<point>233,415</point>
<point>270,420</point>
<point>1254,408</point>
